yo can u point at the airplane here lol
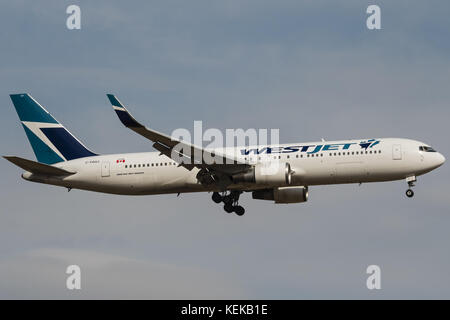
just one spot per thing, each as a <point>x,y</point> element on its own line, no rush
<point>63,160</point>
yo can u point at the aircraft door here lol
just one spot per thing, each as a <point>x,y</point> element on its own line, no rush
<point>105,169</point>
<point>397,152</point>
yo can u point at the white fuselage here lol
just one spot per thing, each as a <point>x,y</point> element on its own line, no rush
<point>315,163</point>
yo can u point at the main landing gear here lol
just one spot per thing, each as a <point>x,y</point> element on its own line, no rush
<point>410,181</point>
<point>230,200</point>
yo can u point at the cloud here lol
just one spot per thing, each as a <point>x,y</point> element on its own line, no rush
<point>310,68</point>
<point>40,274</point>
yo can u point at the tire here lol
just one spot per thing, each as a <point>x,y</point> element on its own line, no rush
<point>409,193</point>
<point>227,199</point>
<point>228,208</point>
<point>239,210</point>
<point>216,197</point>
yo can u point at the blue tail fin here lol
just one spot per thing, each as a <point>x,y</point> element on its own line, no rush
<point>51,142</point>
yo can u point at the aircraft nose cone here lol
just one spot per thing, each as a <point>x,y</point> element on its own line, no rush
<point>433,160</point>
<point>436,161</point>
<point>441,159</point>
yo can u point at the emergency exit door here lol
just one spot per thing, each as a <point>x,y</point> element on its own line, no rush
<point>397,152</point>
<point>105,169</point>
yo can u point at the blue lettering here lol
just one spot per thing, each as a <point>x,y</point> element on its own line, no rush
<point>331,147</point>
<point>305,148</point>
<point>246,152</point>
<point>290,149</point>
<point>277,149</point>
<point>317,149</point>
<point>262,150</point>
<point>347,145</point>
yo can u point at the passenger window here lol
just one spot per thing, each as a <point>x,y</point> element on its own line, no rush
<point>126,166</point>
<point>135,166</point>
<point>288,157</point>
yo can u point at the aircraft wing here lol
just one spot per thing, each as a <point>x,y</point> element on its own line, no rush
<point>37,167</point>
<point>176,149</point>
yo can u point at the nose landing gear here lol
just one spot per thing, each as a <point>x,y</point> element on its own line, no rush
<point>410,181</point>
<point>231,202</point>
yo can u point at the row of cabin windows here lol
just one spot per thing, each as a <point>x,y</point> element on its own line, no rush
<point>331,154</point>
<point>143,165</point>
<point>161,164</point>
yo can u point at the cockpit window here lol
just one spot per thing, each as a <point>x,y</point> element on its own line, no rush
<point>426,149</point>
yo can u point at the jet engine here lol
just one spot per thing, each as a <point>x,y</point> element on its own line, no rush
<point>271,173</point>
<point>282,194</point>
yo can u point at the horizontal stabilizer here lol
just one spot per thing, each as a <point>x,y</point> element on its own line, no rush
<point>37,167</point>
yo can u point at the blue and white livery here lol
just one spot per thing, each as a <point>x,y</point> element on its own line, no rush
<point>281,173</point>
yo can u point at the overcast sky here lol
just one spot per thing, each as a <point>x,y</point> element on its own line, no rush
<point>310,68</point>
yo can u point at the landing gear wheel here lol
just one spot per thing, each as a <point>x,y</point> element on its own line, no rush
<point>239,210</point>
<point>409,193</point>
<point>228,199</point>
<point>216,197</point>
<point>228,208</point>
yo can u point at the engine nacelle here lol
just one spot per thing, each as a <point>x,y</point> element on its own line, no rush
<point>282,194</point>
<point>268,173</point>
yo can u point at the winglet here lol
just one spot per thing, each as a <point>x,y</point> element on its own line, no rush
<point>125,117</point>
